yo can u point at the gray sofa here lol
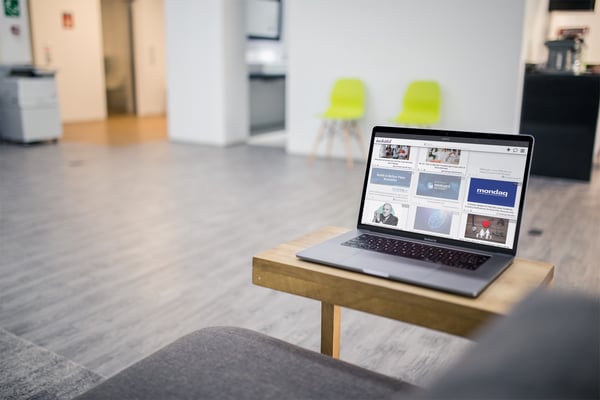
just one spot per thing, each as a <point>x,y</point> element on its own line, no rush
<point>547,348</point>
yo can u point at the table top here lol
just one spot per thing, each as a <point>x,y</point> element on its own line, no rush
<point>280,269</point>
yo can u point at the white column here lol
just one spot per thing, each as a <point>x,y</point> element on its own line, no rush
<point>207,84</point>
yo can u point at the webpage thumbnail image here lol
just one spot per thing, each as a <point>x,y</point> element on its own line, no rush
<point>433,220</point>
<point>394,151</point>
<point>438,186</point>
<point>486,228</point>
<point>487,191</point>
<point>390,177</point>
<point>384,213</point>
<point>443,156</point>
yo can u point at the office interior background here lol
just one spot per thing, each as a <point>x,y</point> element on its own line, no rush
<point>184,152</point>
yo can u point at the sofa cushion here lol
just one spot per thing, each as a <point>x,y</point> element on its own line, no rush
<point>548,348</point>
<point>234,363</point>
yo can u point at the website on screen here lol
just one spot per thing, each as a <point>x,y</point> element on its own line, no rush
<point>462,191</point>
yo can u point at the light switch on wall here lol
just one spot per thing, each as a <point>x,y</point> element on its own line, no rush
<point>47,55</point>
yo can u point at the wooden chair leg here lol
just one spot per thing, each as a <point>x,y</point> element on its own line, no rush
<point>359,139</point>
<point>313,154</point>
<point>331,134</point>
<point>348,144</point>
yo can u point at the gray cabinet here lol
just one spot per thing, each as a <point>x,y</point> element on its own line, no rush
<point>267,102</point>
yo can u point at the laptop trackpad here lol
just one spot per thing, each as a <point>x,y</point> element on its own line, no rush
<point>385,265</point>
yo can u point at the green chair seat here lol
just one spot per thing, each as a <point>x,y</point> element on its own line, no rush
<point>343,112</point>
<point>414,117</point>
<point>346,107</point>
<point>421,105</point>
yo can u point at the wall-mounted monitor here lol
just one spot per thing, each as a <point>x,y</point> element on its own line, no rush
<point>571,5</point>
<point>263,19</point>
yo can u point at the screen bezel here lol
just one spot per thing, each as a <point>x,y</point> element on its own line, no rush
<point>447,135</point>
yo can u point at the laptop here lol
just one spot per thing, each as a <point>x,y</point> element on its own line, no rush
<point>439,209</point>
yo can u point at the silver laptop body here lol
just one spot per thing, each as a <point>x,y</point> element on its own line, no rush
<point>447,197</point>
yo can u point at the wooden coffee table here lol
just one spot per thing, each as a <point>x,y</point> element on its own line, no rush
<point>280,269</point>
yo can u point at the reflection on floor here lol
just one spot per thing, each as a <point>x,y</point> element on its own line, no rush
<point>270,139</point>
<point>129,129</point>
<point>117,131</point>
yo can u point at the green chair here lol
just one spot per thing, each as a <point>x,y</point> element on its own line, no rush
<point>346,107</point>
<point>421,104</point>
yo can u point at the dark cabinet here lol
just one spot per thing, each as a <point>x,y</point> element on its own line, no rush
<point>561,112</point>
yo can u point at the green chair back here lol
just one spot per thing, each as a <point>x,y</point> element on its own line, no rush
<point>347,101</point>
<point>421,104</point>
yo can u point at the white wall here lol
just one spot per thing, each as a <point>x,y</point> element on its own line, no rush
<point>207,95</point>
<point>570,19</point>
<point>149,53</point>
<point>15,48</point>
<point>76,55</point>
<point>472,47</point>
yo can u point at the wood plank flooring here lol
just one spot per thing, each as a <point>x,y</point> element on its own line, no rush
<point>108,253</point>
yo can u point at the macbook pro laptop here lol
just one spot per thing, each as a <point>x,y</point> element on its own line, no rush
<point>440,209</point>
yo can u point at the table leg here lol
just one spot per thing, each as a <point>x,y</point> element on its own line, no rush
<point>330,329</point>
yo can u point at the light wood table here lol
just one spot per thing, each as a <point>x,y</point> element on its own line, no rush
<point>280,269</point>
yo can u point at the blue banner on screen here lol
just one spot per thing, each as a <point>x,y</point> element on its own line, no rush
<point>439,186</point>
<point>498,193</point>
<point>390,177</point>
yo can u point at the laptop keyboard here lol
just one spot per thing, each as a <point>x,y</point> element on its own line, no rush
<point>418,251</point>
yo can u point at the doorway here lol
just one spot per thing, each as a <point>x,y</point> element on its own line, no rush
<point>266,59</point>
<point>118,56</point>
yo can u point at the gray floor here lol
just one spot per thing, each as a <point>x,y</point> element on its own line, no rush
<point>30,372</point>
<point>107,254</point>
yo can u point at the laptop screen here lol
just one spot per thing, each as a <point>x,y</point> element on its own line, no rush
<point>452,187</point>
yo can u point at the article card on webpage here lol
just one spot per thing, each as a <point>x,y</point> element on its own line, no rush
<point>487,191</point>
